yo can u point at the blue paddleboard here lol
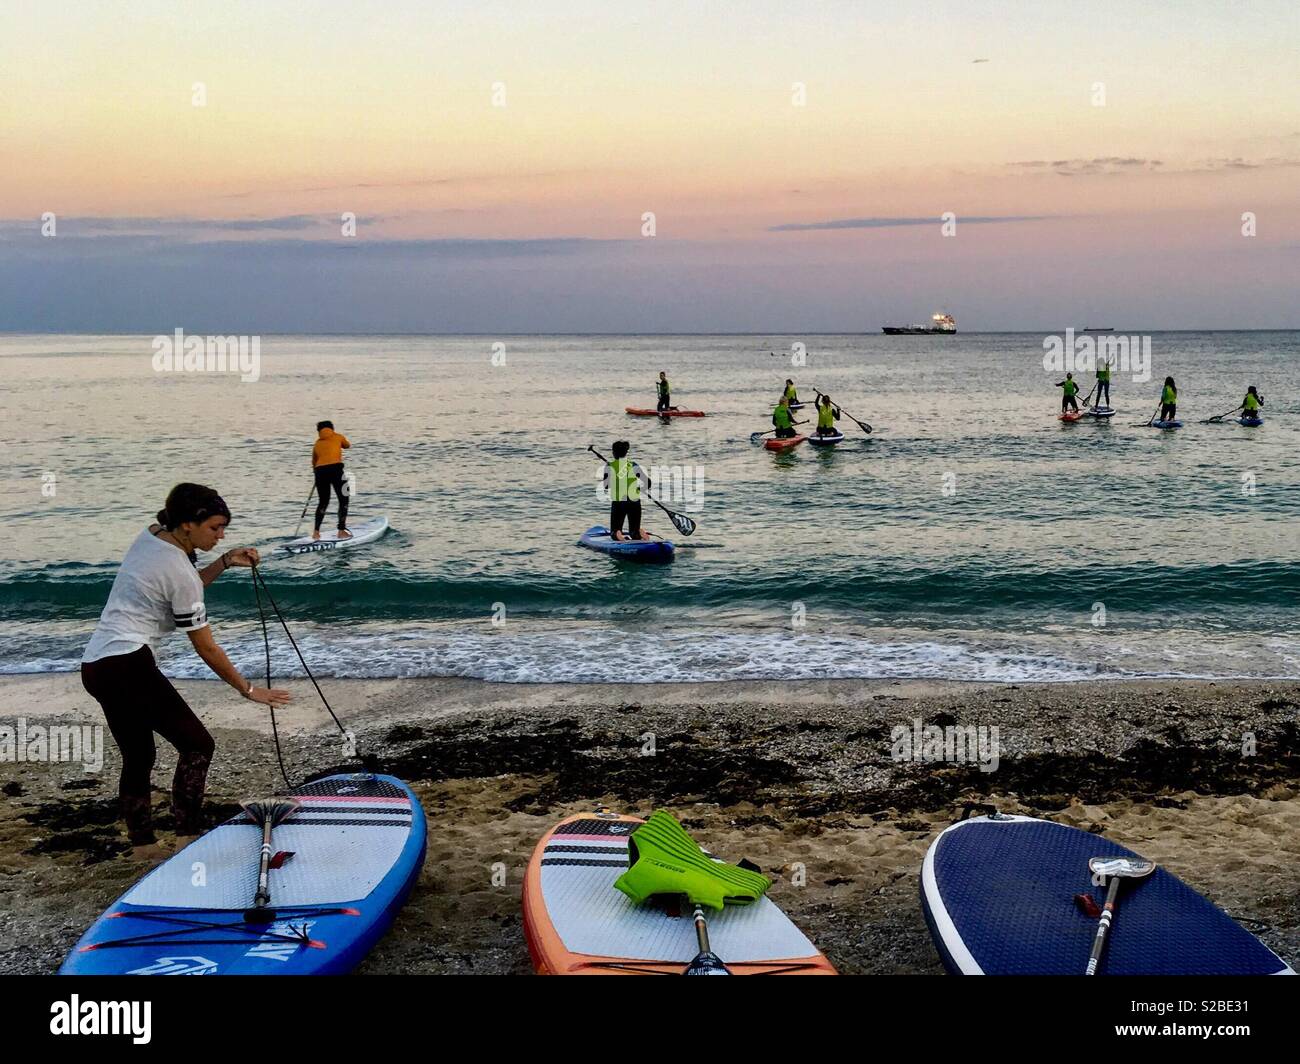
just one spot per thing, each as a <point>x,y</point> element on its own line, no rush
<point>357,845</point>
<point>998,895</point>
<point>642,550</point>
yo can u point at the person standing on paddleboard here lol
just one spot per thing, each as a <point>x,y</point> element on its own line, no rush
<point>1071,389</point>
<point>157,591</point>
<point>327,464</point>
<point>827,415</point>
<point>664,392</point>
<point>1169,400</point>
<point>623,479</point>
<point>782,420</point>
<point>1102,387</point>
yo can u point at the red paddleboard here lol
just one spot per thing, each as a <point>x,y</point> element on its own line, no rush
<point>783,445</point>
<point>640,412</point>
<point>1070,417</point>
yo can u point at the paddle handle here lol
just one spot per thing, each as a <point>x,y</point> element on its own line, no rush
<point>1103,927</point>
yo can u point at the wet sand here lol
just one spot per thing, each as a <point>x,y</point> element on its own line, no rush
<point>1201,777</point>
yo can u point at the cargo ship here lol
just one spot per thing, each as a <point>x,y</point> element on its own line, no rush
<point>941,324</point>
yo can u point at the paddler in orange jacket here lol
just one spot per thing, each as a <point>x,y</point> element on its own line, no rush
<point>327,464</point>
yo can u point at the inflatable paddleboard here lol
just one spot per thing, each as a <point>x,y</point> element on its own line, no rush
<point>355,848</point>
<point>1167,424</point>
<point>1101,412</point>
<point>826,441</point>
<point>785,444</point>
<point>1070,416</point>
<point>642,550</point>
<point>1250,421</point>
<point>576,923</point>
<point>670,412</point>
<point>998,895</point>
<point>365,532</point>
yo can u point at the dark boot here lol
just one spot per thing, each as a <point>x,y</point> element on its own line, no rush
<point>187,792</point>
<point>139,820</point>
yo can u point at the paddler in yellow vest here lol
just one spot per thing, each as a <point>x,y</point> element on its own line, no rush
<point>623,480</point>
<point>664,392</point>
<point>827,415</point>
<point>1169,400</point>
<point>1103,383</point>
<point>782,420</point>
<point>791,393</point>
<point>1071,389</point>
<point>1251,404</point>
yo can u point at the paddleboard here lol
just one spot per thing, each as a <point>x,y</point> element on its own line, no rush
<point>1250,421</point>
<point>797,406</point>
<point>1166,424</point>
<point>1070,416</point>
<point>576,923</point>
<point>642,550</point>
<point>785,444</point>
<point>357,845</point>
<point>670,412</point>
<point>1101,412</point>
<point>825,441</point>
<point>365,532</point>
<point>998,895</point>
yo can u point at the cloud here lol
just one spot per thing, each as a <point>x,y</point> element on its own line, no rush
<point>890,223</point>
<point>1111,165</point>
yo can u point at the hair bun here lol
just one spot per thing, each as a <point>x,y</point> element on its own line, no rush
<point>162,517</point>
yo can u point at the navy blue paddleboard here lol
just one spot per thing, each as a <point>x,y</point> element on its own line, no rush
<point>998,896</point>
<point>642,550</point>
<point>357,846</point>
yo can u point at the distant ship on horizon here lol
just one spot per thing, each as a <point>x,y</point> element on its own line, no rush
<point>942,324</point>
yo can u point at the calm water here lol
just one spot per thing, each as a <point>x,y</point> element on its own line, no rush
<point>972,536</point>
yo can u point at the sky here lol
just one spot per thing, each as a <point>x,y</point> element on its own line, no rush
<point>647,167</point>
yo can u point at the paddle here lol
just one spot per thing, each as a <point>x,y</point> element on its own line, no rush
<point>266,813</point>
<point>1149,421</point>
<point>683,523</point>
<point>754,437</point>
<point>1117,868</point>
<point>1219,417</point>
<point>706,962</point>
<point>1089,395</point>
<point>304,511</point>
<point>864,427</point>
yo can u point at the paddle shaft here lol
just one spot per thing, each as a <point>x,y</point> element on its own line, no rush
<point>1103,926</point>
<point>263,896</point>
<point>304,511</point>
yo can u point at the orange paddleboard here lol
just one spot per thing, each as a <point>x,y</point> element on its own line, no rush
<point>576,923</point>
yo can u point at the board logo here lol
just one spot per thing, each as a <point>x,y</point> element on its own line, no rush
<point>178,966</point>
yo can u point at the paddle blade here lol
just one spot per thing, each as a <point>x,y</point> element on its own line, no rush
<point>707,964</point>
<point>1123,867</point>
<point>270,810</point>
<point>683,523</point>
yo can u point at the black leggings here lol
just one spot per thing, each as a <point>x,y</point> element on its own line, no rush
<point>1103,387</point>
<point>139,700</point>
<point>331,476</point>
<point>629,511</point>
<point>1068,402</point>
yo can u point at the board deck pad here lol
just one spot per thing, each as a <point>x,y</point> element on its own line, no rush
<point>357,843</point>
<point>365,532</point>
<point>575,869</point>
<point>998,896</point>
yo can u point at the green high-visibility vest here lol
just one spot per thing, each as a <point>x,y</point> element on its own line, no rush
<point>623,483</point>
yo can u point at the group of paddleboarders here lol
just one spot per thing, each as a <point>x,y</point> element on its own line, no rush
<point>1249,408</point>
<point>782,417</point>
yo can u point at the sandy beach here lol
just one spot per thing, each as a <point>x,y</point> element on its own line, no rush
<point>1198,776</point>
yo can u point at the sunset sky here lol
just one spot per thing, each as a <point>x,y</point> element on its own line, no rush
<point>772,213</point>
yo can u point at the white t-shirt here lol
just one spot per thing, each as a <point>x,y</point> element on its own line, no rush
<point>157,591</point>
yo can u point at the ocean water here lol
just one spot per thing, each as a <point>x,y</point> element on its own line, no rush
<point>971,536</point>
